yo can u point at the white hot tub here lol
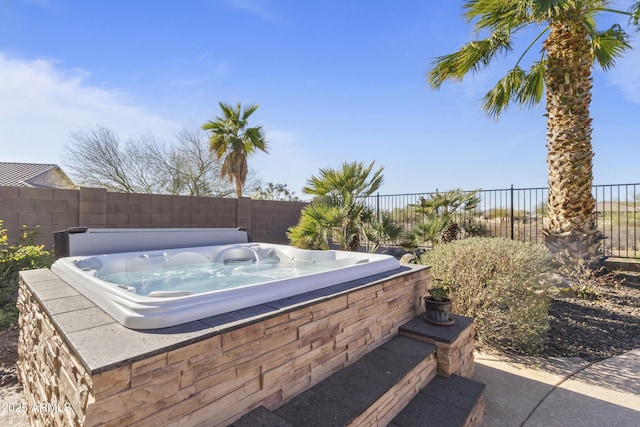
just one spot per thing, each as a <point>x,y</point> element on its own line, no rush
<point>158,288</point>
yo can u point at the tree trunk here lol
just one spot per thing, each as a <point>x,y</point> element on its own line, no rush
<point>354,244</point>
<point>571,227</point>
<point>238,186</point>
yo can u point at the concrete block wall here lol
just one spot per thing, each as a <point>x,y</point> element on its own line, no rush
<point>270,222</point>
<point>58,209</point>
<point>92,207</point>
<point>51,209</point>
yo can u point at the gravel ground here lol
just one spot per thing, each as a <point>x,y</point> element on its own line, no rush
<point>596,329</point>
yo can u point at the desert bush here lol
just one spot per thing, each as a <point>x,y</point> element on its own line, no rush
<point>501,283</point>
<point>22,255</point>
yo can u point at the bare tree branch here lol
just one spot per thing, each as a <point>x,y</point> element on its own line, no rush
<point>96,157</point>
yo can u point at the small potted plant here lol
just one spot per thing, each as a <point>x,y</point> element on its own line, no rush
<point>438,304</point>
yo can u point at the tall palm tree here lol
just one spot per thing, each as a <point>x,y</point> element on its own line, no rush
<point>572,46</point>
<point>233,138</point>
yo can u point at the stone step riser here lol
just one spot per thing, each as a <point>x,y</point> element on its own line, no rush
<point>383,410</point>
<point>450,355</point>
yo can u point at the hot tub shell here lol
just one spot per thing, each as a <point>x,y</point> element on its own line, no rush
<point>153,312</point>
<point>149,312</point>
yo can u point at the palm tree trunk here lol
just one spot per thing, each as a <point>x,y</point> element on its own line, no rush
<point>354,244</point>
<point>238,186</point>
<point>571,226</point>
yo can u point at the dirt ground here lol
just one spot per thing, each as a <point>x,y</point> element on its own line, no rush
<point>8,355</point>
<point>12,404</point>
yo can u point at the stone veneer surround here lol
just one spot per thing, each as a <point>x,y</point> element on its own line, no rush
<point>94,371</point>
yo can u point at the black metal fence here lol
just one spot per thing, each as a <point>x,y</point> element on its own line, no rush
<point>519,214</point>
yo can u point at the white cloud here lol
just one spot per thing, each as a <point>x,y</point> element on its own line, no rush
<point>41,103</point>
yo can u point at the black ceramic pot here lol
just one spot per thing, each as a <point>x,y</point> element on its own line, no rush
<point>438,312</point>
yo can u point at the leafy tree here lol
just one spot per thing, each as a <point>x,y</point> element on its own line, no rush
<point>234,140</point>
<point>96,157</point>
<point>572,46</point>
<point>338,212</point>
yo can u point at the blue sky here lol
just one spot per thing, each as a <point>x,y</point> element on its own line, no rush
<point>336,80</point>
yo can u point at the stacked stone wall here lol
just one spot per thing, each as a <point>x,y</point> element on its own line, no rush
<point>56,385</point>
<point>217,380</point>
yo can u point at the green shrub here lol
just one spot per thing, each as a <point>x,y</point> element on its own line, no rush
<point>501,284</point>
<point>22,255</point>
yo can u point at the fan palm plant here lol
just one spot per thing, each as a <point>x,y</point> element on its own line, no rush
<point>383,230</point>
<point>233,138</point>
<point>572,46</point>
<point>338,213</point>
<point>440,213</point>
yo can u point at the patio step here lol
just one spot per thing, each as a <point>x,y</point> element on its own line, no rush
<point>395,385</point>
<point>446,402</point>
<point>371,391</point>
<point>453,401</point>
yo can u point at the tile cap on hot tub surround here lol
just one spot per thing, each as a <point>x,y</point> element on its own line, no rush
<point>101,351</point>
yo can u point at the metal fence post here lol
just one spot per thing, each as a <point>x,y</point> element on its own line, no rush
<point>512,213</point>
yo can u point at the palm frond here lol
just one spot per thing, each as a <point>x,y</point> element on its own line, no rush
<point>227,111</point>
<point>314,227</point>
<point>352,179</point>
<point>248,111</point>
<point>473,57</point>
<point>532,88</point>
<point>256,140</point>
<point>609,45</point>
<point>506,90</point>
<point>502,15</point>
<point>634,12</point>
<point>525,88</point>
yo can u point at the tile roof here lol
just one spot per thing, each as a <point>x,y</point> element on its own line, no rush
<point>33,175</point>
